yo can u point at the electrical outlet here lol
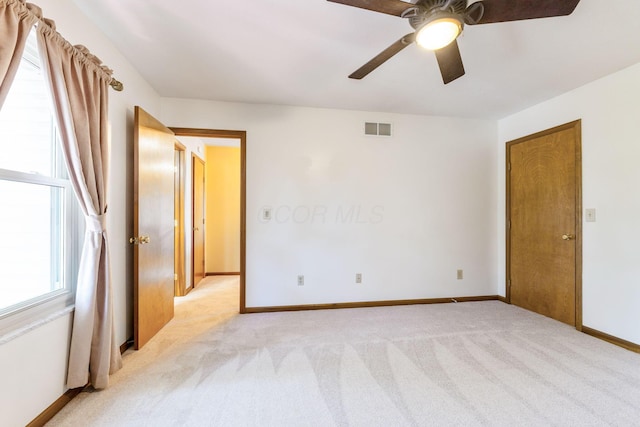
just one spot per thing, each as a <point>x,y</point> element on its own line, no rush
<point>460,275</point>
<point>358,277</point>
<point>300,280</point>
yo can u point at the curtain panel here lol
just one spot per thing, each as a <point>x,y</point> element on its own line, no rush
<point>79,88</point>
<point>16,21</point>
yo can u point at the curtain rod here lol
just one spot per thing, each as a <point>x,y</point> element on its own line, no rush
<point>50,24</point>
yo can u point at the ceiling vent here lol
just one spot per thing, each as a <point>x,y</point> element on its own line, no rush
<point>378,129</point>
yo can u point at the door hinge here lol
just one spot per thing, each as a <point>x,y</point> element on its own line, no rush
<point>509,166</point>
<point>509,283</point>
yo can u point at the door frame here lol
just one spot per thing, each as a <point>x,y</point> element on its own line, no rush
<point>179,253</point>
<point>242,136</point>
<point>577,127</point>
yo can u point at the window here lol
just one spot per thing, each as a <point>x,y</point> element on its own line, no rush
<point>39,218</point>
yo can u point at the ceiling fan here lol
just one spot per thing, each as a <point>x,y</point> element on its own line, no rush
<point>438,23</point>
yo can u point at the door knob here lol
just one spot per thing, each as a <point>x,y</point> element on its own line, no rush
<point>140,240</point>
<point>567,237</point>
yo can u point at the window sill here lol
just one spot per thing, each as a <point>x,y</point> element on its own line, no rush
<point>32,319</point>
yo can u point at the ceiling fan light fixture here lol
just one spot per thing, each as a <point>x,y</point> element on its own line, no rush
<point>439,32</point>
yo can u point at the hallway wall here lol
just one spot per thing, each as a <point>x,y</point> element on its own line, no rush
<point>222,188</point>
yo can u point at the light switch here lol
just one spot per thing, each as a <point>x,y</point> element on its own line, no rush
<point>266,214</point>
<point>590,215</point>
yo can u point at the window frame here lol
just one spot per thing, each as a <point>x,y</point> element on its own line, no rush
<point>23,316</point>
<point>68,235</point>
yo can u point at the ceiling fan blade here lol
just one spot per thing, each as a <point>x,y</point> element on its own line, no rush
<point>450,62</point>
<point>517,10</point>
<point>390,7</point>
<point>383,56</point>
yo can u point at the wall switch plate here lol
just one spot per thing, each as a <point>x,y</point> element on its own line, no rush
<point>590,214</point>
<point>300,280</point>
<point>358,277</point>
<point>266,214</point>
<point>460,274</point>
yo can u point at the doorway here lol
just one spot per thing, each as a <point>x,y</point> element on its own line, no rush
<point>544,223</point>
<point>241,137</point>
<point>155,157</point>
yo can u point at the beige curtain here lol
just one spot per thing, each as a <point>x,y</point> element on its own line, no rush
<point>79,86</point>
<point>16,22</point>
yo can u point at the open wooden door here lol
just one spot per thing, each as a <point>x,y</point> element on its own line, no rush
<point>153,227</point>
<point>544,239</point>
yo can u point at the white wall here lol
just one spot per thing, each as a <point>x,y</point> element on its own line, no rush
<point>33,366</point>
<point>33,369</point>
<point>610,112</point>
<point>426,199</point>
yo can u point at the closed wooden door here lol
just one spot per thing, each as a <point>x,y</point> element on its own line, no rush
<point>153,227</point>
<point>544,223</point>
<point>198,220</point>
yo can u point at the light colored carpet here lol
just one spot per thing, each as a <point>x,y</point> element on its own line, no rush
<point>466,364</point>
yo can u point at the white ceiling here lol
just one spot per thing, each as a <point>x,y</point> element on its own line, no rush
<point>300,52</point>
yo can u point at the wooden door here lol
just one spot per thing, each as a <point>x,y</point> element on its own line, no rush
<point>544,223</point>
<point>198,221</point>
<point>153,227</point>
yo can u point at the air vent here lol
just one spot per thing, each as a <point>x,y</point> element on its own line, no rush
<point>378,129</point>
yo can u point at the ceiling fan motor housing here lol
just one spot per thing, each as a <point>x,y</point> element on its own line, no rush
<point>424,10</point>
